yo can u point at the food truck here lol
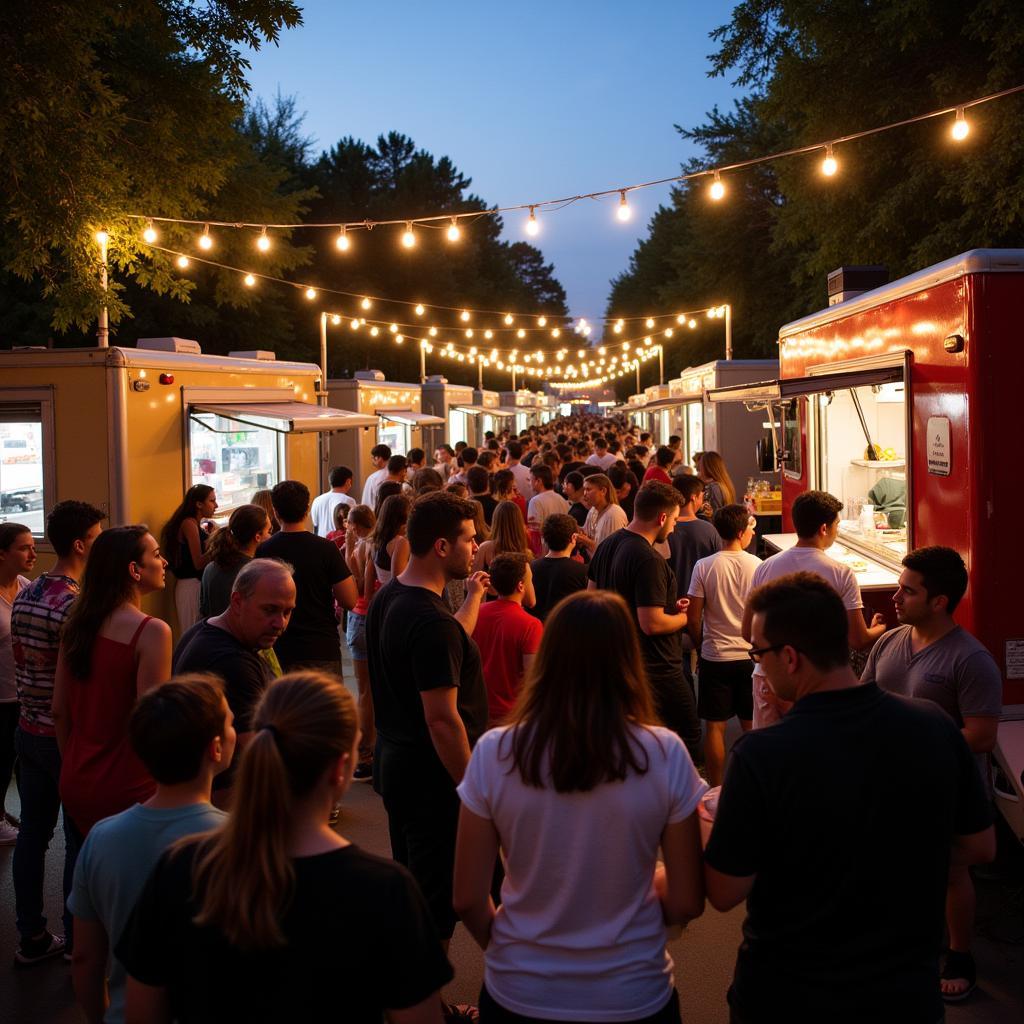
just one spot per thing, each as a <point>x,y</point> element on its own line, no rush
<point>398,415</point>
<point>490,415</point>
<point>452,405</point>
<point>900,402</point>
<point>525,407</point>
<point>129,430</point>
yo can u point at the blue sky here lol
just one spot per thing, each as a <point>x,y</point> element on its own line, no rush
<point>531,100</point>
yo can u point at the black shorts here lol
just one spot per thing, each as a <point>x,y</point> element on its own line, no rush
<point>724,689</point>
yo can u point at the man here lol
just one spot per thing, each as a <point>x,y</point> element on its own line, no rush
<point>232,645</point>
<point>545,501</point>
<point>601,458</point>
<point>444,461</point>
<point>572,486</point>
<point>837,825</point>
<point>718,594</point>
<point>379,456</point>
<point>557,574</point>
<point>183,733</point>
<point>929,656</point>
<point>507,635</point>
<point>322,510</point>
<point>417,460</point>
<point>321,577</point>
<point>478,483</point>
<point>37,616</point>
<point>488,460</point>
<point>428,694</point>
<point>626,485</point>
<point>816,521</point>
<point>658,470</point>
<point>693,538</point>
<point>628,564</point>
<point>468,457</point>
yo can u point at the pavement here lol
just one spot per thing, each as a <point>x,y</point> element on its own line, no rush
<point>704,954</point>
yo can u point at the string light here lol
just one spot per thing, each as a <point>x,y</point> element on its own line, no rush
<point>342,241</point>
<point>520,333</point>
<point>366,304</point>
<point>542,321</point>
<point>182,262</point>
<point>432,332</point>
<point>555,332</point>
<point>311,294</point>
<point>150,233</point>
<point>205,241</point>
<point>692,324</point>
<point>509,320</point>
<point>488,334</point>
<point>464,316</point>
<point>717,190</point>
<point>354,325</point>
<point>532,227</point>
<point>335,320</point>
<point>454,234</point>
<point>961,128</point>
<point>393,328</point>
<point>829,165</point>
<point>623,212</point>
<point>420,309</point>
<point>649,323</point>
<point>249,280</point>
<point>374,331</point>
<point>408,236</point>
<point>102,237</point>
<point>263,242</point>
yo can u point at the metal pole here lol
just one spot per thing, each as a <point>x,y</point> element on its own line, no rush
<point>661,364</point>
<point>423,365</point>
<point>479,373</point>
<point>323,358</point>
<point>728,331</point>
<point>638,376</point>
<point>513,378</point>
<point>103,332</point>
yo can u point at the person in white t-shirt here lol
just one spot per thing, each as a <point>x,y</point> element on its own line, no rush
<point>545,501</point>
<point>379,455</point>
<point>602,458</point>
<point>719,586</point>
<point>580,933</point>
<point>605,514</point>
<point>816,520</point>
<point>321,512</point>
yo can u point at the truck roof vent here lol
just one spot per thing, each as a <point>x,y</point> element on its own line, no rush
<point>186,345</point>
<point>368,375</point>
<point>848,282</point>
<point>255,353</point>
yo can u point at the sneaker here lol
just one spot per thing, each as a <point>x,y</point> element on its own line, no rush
<point>363,772</point>
<point>31,951</point>
<point>8,833</point>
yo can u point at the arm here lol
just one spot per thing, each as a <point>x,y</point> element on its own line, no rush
<point>369,575</point>
<point>400,555</point>
<point>680,886</point>
<point>146,1004</point>
<point>476,850</point>
<point>695,618</point>
<point>345,593</point>
<point>977,848</point>
<point>861,636</point>
<point>190,534</point>
<point>154,656</point>
<point>427,1012</point>
<point>591,585</point>
<point>980,733</point>
<point>446,728</point>
<point>726,891</point>
<point>655,621</point>
<point>61,710</point>
<point>476,587</point>
<point>89,968</point>
<point>748,618</point>
<point>529,591</point>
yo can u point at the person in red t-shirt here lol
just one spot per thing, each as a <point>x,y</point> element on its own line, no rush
<point>508,636</point>
<point>658,470</point>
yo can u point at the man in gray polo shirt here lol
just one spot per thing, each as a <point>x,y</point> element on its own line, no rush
<point>930,657</point>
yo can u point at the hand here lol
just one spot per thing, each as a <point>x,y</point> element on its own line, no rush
<point>477,584</point>
<point>682,605</point>
<point>877,619</point>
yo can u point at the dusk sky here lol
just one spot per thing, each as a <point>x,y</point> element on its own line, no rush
<point>531,100</point>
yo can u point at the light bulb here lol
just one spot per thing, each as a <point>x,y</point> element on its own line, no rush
<point>182,262</point>
<point>420,310</point>
<point>354,324</point>
<point>555,332</point>
<point>393,328</point>
<point>961,128</point>
<point>399,339</point>
<point>623,212</point>
<point>601,351</point>
<point>488,334</point>
<point>618,327</point>
<point>625,346</point>
<point>454,234</point>
<point>542,321</point>
<point>366,303</point>
<point>102,237</point>
<point>712,313</point>
<point>692,324</point>
<point>335,320</point>
<point>829,165</point>
<point>532,226</point>
<point>649,323</point>
<point>509,320</point>
<point>263,242</point>
<point>205,241</point>
<point>374,331</point>
<point>464,316</point>
<point>580,353</point>
<point>469,332</point>
<point>667,332</point>
<point>150,233</point>
<point>408,236</point>
<point>520,333</point>
<point>432,332</point>
<point>342,241</point>
<point>311,294</point>
<point>717,190</point>
<point>249,280</point>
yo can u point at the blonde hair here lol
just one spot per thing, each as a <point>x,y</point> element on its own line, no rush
<point>243,877</point>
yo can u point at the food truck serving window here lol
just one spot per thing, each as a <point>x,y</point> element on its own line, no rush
<point>791,440</point>
<point>26,462</point>
<point>236,459</point>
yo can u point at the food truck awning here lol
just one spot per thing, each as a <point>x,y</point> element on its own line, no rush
<point>410,418</point>
<point>471,410</point>
<point>668,403</point>
<point>786,388</point>
<point>504,410</point>
<point>286,417</point>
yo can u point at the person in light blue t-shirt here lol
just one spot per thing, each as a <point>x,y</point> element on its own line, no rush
<point>184,735</point>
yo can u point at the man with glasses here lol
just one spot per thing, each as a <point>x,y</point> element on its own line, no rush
<point>838,825</point>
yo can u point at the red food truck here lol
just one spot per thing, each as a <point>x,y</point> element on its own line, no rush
<point>900,402</point>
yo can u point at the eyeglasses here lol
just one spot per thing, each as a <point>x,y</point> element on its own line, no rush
<point>756,652</point>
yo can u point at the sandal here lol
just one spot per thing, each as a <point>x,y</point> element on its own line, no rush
<point>958,967</point>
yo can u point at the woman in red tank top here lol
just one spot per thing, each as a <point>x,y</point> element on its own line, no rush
<point>110,654</point>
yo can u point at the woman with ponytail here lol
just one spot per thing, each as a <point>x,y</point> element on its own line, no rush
<point>229,549</point>
<point>274,916</point>
<point>184,542</point>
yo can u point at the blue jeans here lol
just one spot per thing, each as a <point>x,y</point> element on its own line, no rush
<point>38,784</point>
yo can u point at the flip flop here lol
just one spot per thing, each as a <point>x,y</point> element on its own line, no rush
<point>959,966</point>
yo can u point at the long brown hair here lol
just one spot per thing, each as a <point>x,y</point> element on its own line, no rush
<point>186,510</point>
<point>584,692</point>
<point>712,465</point>
<point>392,515</point>
<point>243,877</point>
<point>246,523</point>
<point>508,531</point>
<point>106,585</point>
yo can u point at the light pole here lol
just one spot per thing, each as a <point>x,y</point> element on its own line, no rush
<point>103,332</point>
<point>724,311</point>
<point>322,398</point>
<point>661,364</point>
<point>423,362</point>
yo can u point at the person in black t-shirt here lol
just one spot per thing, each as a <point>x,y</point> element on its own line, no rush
<point>274,916</point>
<point>572,489</point>
<point>262,602</point>
<point>627,563</point>
<point>478,484</point>
<point>557,574</point>
<point>428,693</point>
<point>838,825</point>
<point>321,578</point>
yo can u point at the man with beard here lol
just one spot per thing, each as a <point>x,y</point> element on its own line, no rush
<point>428,694</point>
<point>627,563</point>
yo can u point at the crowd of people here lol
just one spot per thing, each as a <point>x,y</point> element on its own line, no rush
<point>549,635</point>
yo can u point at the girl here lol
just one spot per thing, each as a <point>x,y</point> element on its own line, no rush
<point>389,550</point>
<point>185,542</point>
<point>718,486</point>
<point>229,549</point>
<point>503,487</point>
<point>361,522</point>
<point>508,536</point>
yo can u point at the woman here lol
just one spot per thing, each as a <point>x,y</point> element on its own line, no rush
<point>265,502</point>
<point>184,540</point>
<point>339,520</point>
<point>483,531</point>
<point>718,486</point>
<point>388,489</point>
<point>273,914</point>
<point>17,556</point>
<point>110,654</point>
<point>508,537</point>
<point>605,514</point>
<point>229,549</point>
<point>361,522</point>
<point>389,550</point>
<point>581,929</point>
<point>503,488</point>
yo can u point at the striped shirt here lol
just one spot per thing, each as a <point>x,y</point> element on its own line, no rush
<point>37,615</point>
